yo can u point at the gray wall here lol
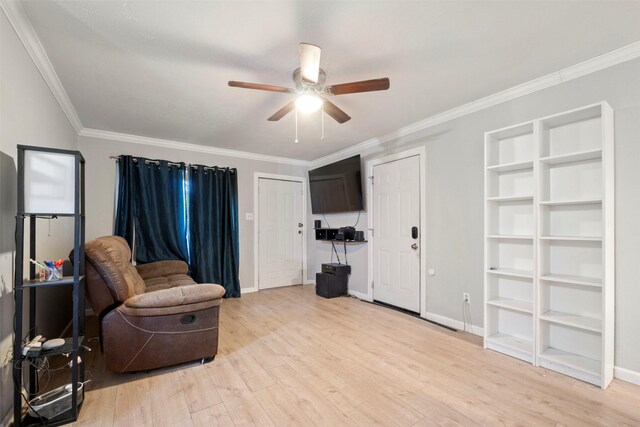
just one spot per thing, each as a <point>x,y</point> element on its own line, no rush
<point>455,198</point>
<point>101,180</point>
<point>30,115</point>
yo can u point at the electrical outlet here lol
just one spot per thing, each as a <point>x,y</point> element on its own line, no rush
<point>466,297</point>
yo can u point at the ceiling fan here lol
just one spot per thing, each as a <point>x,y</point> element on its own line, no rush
<point>310,90</point>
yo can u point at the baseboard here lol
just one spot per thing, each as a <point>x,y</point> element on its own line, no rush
<point>359,295</point>
<point>248,290</point>
<point>310,282</point>
<point>452,323</point>
<point>627,375</point>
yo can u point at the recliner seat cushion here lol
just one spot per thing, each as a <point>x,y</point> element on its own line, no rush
<point>181,295</point>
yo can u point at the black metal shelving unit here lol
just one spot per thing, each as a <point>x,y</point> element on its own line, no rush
<point>72,345</point>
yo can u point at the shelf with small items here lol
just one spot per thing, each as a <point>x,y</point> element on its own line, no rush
<point>66,280</point>
<point>64,418</point>
<point>65,348</point>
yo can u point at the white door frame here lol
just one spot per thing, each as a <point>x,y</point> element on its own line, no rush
<point>421,152</point>
<point>256,222</point>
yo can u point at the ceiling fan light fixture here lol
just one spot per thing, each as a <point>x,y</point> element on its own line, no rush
<point>307,103</point>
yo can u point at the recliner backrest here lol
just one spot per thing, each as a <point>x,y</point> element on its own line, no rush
<point>110,257</point>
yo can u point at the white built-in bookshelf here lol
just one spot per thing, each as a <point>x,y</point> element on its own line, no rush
<point>549,248</point>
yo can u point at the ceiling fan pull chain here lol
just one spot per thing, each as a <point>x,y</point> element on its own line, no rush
<point>322,122</point>
<point>296,140</point>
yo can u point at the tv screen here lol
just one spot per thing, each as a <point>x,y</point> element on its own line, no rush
<point>336,187</point>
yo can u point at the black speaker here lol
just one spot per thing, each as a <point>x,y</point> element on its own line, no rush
<point>359,236</point>
<point>330,286</point>
<point>317,224</point>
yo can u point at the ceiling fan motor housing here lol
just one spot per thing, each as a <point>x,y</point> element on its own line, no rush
<point>303,85</point>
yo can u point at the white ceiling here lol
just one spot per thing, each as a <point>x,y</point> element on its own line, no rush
<point>160,69</point>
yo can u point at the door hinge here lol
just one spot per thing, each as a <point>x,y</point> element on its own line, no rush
<point>372,179</point>
<point>372,284</point>
<point>372,232</point>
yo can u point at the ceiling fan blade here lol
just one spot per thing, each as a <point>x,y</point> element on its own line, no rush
<point>282,112</point>
<point>259,86</point>
<point>355,87</point>
<point>336,113</point>
<point>309,62</point>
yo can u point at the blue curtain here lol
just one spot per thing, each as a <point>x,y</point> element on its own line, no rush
<point>124,224</point>
<point>151,202</point>
<point>213,227</point>
<point>199,226</point>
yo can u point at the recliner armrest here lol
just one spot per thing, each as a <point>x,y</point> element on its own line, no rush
<point>162,268</point>
<point>179,295</point>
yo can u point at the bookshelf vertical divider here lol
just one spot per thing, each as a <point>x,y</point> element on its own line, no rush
<point>549,242</point>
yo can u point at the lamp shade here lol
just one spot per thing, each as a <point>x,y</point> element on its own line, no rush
<point>49,182</point>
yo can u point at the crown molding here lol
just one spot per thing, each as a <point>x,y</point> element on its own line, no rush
<point>609,59</point>
<point>177,145</point>
<point>17,16</point>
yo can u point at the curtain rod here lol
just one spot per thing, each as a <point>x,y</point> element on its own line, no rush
<point>157,162</point>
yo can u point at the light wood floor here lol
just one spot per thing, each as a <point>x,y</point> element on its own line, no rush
<point>288,357</point>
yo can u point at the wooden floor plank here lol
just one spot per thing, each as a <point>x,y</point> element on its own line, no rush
<point>133,404</point>
<point>281,409</point>
<point>168,402</point>
<point>242,406</point>
<point>214,416</point>
<point>198,388</point>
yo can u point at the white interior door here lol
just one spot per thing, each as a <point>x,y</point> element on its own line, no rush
<point>396,209</point>
<point>280,233</point>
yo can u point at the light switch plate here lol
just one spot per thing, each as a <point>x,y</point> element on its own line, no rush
<point>249,216</point>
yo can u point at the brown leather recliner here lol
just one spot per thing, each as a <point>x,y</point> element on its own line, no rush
<point>151,315</point>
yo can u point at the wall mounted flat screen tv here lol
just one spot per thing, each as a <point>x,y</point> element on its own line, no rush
<point>336,187</point>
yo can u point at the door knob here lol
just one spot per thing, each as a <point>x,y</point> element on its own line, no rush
<point>299,224</point>
<point>299,231</point>
<point>414,246</point>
